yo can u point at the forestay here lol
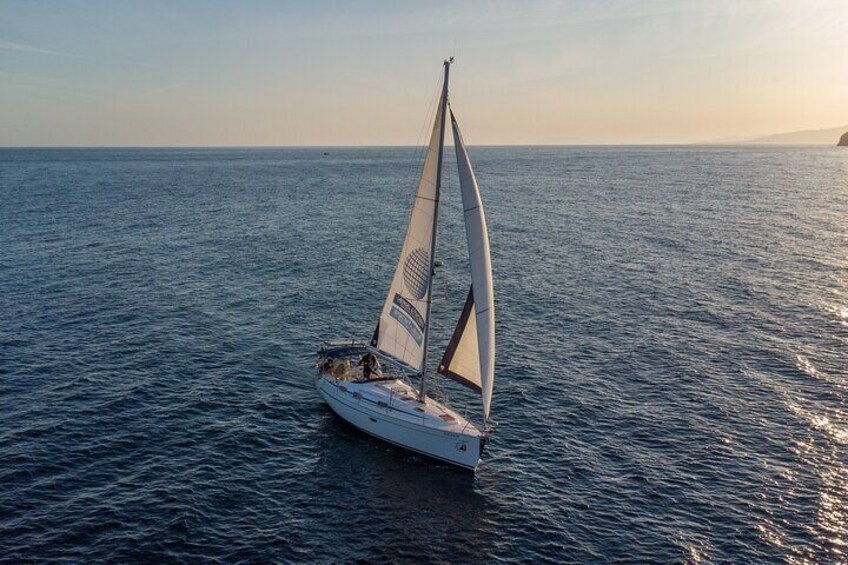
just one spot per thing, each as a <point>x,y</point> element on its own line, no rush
<point>402,329</point>
<point>470,356</point>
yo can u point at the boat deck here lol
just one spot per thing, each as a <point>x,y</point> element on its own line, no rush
<point>398,400</point>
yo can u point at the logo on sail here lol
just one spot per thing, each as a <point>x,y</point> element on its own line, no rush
<point>407,316</point>
<point>416,272</point>
<point>410,310</point>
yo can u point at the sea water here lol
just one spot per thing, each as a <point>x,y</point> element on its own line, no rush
<point>672,358</point>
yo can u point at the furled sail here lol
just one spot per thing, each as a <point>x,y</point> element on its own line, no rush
<point>477,322</point>
<point>402,330</point>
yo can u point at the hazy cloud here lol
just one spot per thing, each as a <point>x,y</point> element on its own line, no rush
<point>24,48</point>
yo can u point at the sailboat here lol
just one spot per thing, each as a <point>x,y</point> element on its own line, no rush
<point>370,385</point>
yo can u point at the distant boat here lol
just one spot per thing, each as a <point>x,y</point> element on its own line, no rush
<point>369,384</point>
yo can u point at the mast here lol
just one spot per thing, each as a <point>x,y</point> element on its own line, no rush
<point>422,392</point>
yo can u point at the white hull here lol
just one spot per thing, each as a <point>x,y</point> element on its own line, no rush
<point>389,411</point>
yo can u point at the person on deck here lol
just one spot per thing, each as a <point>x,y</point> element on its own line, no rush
<point>370,365</point>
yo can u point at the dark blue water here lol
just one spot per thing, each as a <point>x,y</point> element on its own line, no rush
<point>671,380</point>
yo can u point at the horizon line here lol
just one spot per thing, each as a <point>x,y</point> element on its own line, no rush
<point>650,144</point>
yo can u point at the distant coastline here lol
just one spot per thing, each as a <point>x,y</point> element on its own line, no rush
<point>828,136</point>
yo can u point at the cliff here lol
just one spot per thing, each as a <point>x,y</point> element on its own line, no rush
<point>843,141</point>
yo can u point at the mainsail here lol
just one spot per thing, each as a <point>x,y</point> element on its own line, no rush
<point>403,328</point>
<point>470,356</point>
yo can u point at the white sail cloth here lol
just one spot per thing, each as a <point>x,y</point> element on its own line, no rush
<point>403,322</point>
<point>470,356</point>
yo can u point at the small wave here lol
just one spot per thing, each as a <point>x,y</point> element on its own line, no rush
<point>820,422</point>
<point>838,310</point>
<point>806,366</point>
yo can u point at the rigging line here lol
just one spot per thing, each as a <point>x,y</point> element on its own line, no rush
<point>419,149</point>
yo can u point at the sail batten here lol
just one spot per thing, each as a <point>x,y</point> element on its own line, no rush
<point>470,356</point>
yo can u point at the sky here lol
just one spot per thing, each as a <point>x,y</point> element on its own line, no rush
<point>268,73</point>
